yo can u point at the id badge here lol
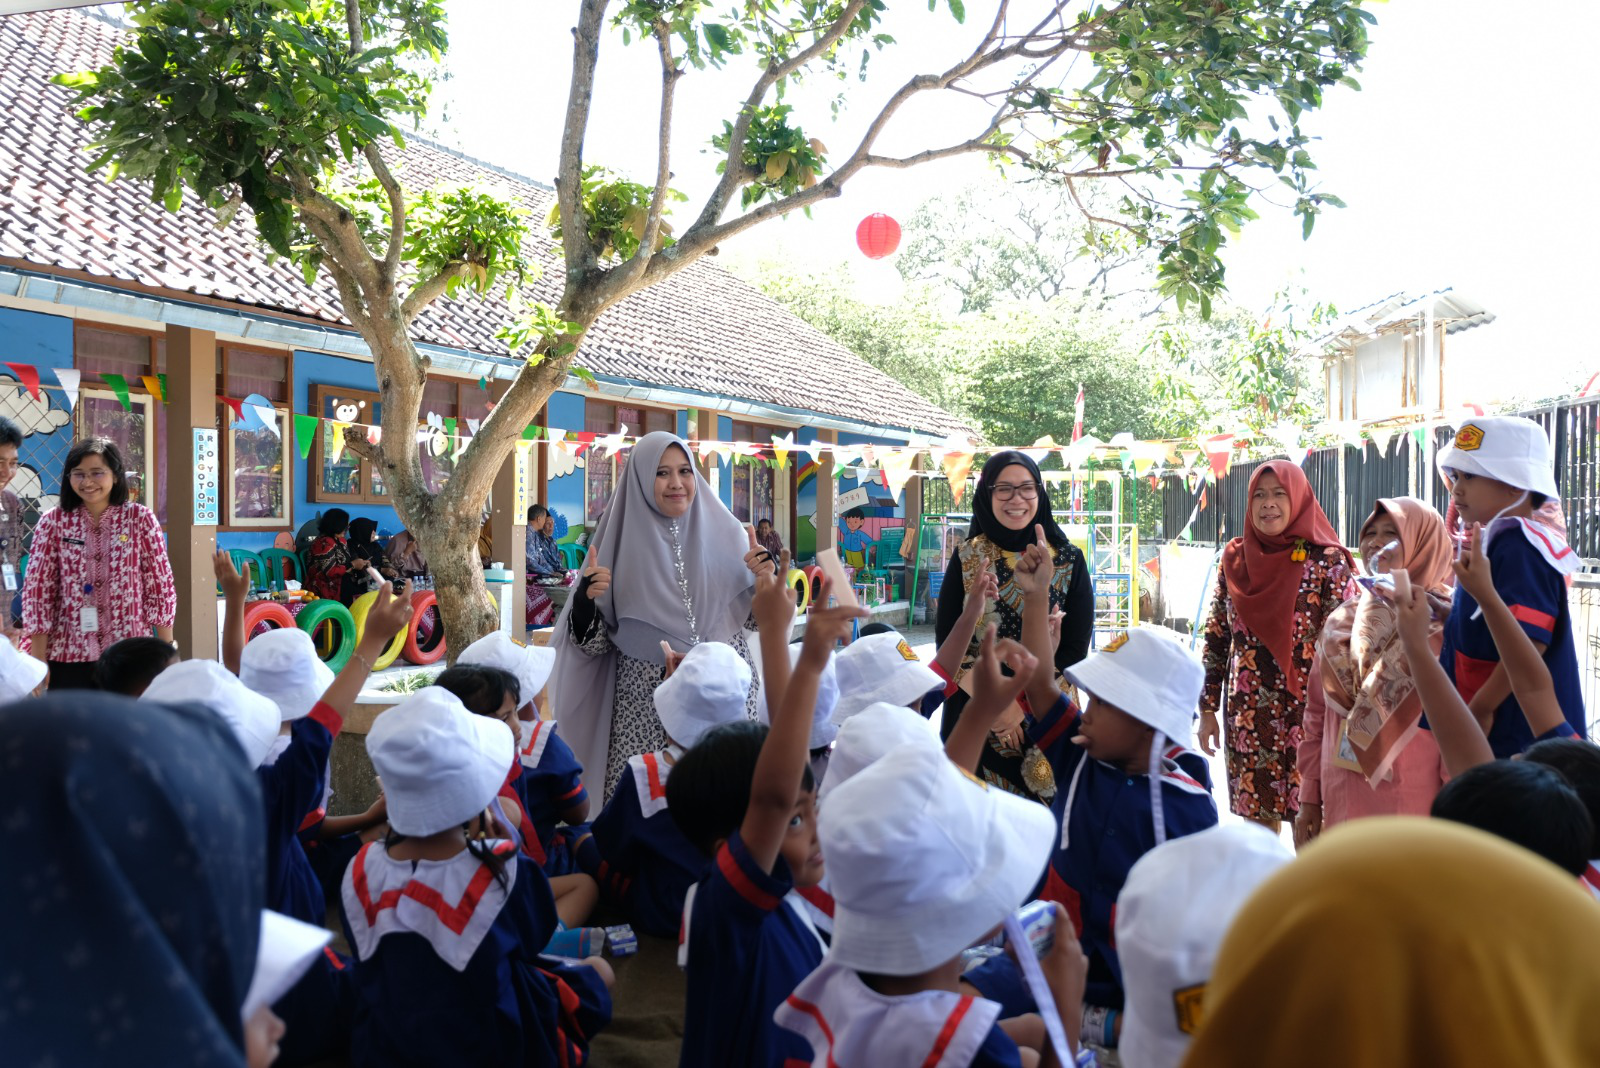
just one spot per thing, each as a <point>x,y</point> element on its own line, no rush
<point>1344,755</point>
<point>89,619</point>
<point>8,576</point>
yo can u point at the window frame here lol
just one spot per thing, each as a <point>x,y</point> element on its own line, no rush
<point>751,432</point>
<point>135,400</point>
<point>590,454</point>
<point>137,394</point>
<point>285,410</point>
<point>319,391</point>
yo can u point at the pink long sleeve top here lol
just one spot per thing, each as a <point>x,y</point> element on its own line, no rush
<point>119,565</point>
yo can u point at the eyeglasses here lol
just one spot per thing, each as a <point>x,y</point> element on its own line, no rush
<point>1004,491</point>
<point>91,476</point>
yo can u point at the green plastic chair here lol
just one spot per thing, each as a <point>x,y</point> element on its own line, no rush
<point>281,564</point>
<point>243,560</point>
<point>571,554</point>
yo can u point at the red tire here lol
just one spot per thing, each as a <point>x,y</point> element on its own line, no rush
<point>425,634</point>
<point>262,616</point>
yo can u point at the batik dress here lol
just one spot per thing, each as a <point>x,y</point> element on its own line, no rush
<point>1261,717</point>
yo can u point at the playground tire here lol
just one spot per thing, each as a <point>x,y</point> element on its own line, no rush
<point>421,649</point>
<point>800,582</point>
<point>391,652</point>
<point>335,614</point>
<point>262,616</point>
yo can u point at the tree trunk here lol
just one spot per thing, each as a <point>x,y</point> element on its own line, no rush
<point>465,607</point>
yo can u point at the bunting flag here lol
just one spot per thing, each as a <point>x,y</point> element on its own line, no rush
<point>155,387</point>
<point>472,427</point>
<point>236,405</point>
<point>1381,436</point>
<point>449,425</point>
<point>1190,456</point>
<point>1287,435</point>
<point>781,447</point>
<point>305,432</point>
<point>897,469</point>
<point>336,429</point>
<point>705,449</point>
<point>1419,434</point>
<point>957,465</point>
<point>1124,458</point>
<point>119,386</point>
<point>612,444</point>
<point>1146,454</point>
<point>869,455</point>
<point>28,375</point>
<point>558,437</point>
<point>1040,449</point>
<point>374,435</point>
<point>846,455</point>
<point>69,377</point>
<point>1219,451</point>
<point>483,382</point>
<point>812,449</point>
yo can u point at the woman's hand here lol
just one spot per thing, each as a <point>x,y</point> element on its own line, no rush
<point>758,559</point>
<point>1210,735</point>
<point>985,588</point>
<point>1308,824</point>
<point>599,581</point>
<point>1036,568</point>
<point>358,564</point>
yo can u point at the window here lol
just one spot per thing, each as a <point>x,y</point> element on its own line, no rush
<point>347,478</point>
<point>602,472</point>
<point>99,350</point>
<point>753,481</point>
<point>256,462</point>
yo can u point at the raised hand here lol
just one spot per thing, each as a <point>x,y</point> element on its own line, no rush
<point>1036,568</point>
<point>992,692</point>
<point>673,659</point>
<point>759,560</point>
<point>234,585</point>
<point>773,603</point>
<point>599,580</point>
<point>826,627</point>
<point>1472,567</point>
<point>1415,613</point>
<point>985,588</point>
<point>389,615</point>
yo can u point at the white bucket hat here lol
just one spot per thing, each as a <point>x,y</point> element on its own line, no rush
<point>440,764</point>
<point>1178,902</point>
<point>1506,448</point>
<point>283,665</point>
<point>1147,673</point>
<point>531,664</point>
<point>254,718</point>
<point>283,954</point>
<point>881,667</point>
<point>709,688</point>
<point>869,736</point>
<point>20,674</point>
<point>823,728</point>
<point>924,860</point>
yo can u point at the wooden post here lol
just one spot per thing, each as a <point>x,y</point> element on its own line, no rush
<point>191,405</point>
<point>509,531</point>
<point>705,429</point>
<point>827,522</point>
<point>913,508</point>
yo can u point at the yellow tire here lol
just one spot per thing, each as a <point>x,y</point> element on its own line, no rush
<point>802,588</point>
<point>358,611</point>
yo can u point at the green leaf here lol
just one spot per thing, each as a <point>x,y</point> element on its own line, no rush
<point>584,375</point>
<point>717,37</point>
<point>1306,223</point>
<point>958,10</point>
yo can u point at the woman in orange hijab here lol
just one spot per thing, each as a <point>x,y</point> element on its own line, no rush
<point>1402,941</point>
<point>1276,587</point>
<point>1364,751</point>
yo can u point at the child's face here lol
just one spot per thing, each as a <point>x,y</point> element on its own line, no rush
<point>801,850</point>
<point>1374,536</point>
<point>1479,499</point>
<point>1107,733</point>
<point>853,523</point>
<point>1270,510</point>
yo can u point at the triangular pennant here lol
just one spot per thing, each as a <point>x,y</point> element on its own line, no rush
<point>337,429</point>
<point>1219,451</point>
<point>1125,458</point>
<point>781,448</point>
<point>236,405</point>
<point>1041,448</point>
<point>1189,457</point>
<point>152,386</point>
<point>305,432</point>
<point>957,465</point>
<point>374,435</point>
<point>869,455</point>
<point>119,386</point>
<point>812,449</point>
<point>557,437</point>
<point>897,469</point>
<point>1381,436</point>
<point>28,375</point>
<point>449,422</point>
<point>1419,434</point>
<point>614,443</point>
<point>483,382</point>
<point>69,378</point>
<point>472,427</point>
<point>1287,435</point>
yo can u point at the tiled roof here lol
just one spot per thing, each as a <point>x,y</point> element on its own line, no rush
<point>701,329</point>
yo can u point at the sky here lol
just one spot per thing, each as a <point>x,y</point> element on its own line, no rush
<point>1462,159</point>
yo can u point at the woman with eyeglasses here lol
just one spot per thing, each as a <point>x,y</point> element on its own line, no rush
<point>1010,501</point>
<point>98,571</point>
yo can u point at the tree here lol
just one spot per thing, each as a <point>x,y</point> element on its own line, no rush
<point>261,103</point>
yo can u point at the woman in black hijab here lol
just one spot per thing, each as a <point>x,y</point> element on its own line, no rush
<point>1010,500</point>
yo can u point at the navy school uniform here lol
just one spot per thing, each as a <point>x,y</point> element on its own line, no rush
<point>551,782</point>
<point>1109,827</point>
<point>319,1007</point>
<point>638,855</point>
<point>1520,555</point>
<point>746,944</point>
<point>449,968</point>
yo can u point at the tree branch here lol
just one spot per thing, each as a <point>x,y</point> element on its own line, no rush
<point>569,174</point>
<point>397,210</point>
<point>355,439</point>
<point>429,290</point>
<point>658,199</point>
<point>717,202</point>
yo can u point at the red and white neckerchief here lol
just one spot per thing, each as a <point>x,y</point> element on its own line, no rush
<point>649,772</point>
<point>818,904</point>
<point>1591,878</point>
<point>847,1022</point>
<point>1556,552</point>
<point>535,736</point>
<point>803,908</point>
<point>451,903</point>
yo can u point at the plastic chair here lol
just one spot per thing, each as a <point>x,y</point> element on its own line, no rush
<point>281,565</point>
<point>571,555</point>
<point>243,560</point>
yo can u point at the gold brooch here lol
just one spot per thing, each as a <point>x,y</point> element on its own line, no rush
<point>1037,775</point>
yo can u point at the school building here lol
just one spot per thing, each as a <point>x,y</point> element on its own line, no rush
<point>98,280</point>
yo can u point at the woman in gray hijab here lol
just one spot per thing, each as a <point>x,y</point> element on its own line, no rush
<point>668,563</point>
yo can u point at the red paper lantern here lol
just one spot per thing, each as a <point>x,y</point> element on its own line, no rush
<point>878,236</point>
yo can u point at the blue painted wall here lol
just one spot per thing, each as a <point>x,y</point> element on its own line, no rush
<point>46,342</point>
<point>725,480</point>
<point>565,494</point>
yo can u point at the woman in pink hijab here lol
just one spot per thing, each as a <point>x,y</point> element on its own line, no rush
<point>1364,751</point>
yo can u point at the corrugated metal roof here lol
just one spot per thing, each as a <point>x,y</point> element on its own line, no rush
<point>1455,310</point>
<point>701,329</point>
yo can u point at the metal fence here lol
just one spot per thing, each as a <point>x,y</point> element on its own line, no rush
<point>1347,482</point>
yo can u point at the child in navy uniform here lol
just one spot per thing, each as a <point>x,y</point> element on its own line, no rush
<point>1499,472</point>
<point>549,779</point>
<point>1132,782</point>
<point>745,797</point>
<point>447,918</point>
<point>642,860</point>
